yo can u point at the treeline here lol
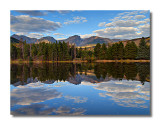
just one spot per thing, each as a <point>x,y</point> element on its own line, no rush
<point>61,51</point>
<point>46,72</point>
<point>43,51</point>
<point>117,51</point>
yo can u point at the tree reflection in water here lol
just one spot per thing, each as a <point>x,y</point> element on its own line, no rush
<point>51,72</point>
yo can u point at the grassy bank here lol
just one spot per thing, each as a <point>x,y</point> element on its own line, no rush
<point>127,61</point>
<point>69,61</point>
<point>76,61</point>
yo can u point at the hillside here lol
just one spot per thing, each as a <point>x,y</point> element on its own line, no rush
<point>48,38</point>
<point>117,40</point>
<point>14,40</point>
<point>95,40</point>
<point>137,41</point>
<point>42,41</point>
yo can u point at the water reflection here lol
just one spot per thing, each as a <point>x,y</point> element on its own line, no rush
<point>126,93</point>
<point>77,99</point>
<point>33,93</point>
<point>74,73</point>
<point>40,109</point>
<point>80,89</point>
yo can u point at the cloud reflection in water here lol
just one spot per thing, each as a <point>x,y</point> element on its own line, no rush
<point>42,109</point>
<point>126,93</point>
<point>33,93</point>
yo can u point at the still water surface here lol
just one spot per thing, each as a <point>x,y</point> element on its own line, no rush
<point>80,89</point>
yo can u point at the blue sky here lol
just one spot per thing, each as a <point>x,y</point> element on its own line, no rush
<point>64,23</point>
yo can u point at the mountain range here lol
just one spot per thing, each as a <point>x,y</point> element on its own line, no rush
<point>72,40</point>
<point>25,38</point>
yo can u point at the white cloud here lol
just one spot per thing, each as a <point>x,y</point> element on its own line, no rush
<point>31,35</point>
<point>140,16</point>
<point>61,38</point>
<point>126,25</point>
<point>76,20</point>
<point>101,24</point>
<point>116,18</point>
<point>84,20</point>
<point>127,17</point>
<point>87,35</point>
<point>32,12</point>
<point>144,11</point>
<point>64,11</point>
<point>129,36</point>
<point>113,31</point>
<point>27,24</point>
<point>59,35</point>
<point>109,25</point>
<point>35,35</point>
<point>147,20</point>
<point>145,29</point>
<point>133,13</point>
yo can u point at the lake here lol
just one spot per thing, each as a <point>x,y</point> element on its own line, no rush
<point>80,89</point>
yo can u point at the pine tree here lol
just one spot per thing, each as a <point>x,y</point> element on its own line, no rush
<point>60,51</point>
<point>103,51</point>
<point>19,53</point>
<point>133,50</point>
<point>130,50</point>
<point>97,50</point>
<point>55,50</point>
<point>148,52</point>
<point>34,50</point>
<point>45,51</point>
<point>77,52</point>
<point>142,50</point>
<point>127,50</point>
<point>26,51</point>
<point>13,52</point>
<point>84,54</point>
<point>50,52</point>
<point>65,51</point>
<point>90,53</point>
<point>109,52</point>
<point>115,51</point>
<point>40,49</point>
<point>72,52</point>
<point>80,52</point>
<point>120,50</point>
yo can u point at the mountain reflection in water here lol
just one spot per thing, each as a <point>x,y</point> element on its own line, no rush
<point>80,89</point>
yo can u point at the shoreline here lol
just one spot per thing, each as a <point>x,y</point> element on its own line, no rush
<point>122,61</point>
<point>77,61</point>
